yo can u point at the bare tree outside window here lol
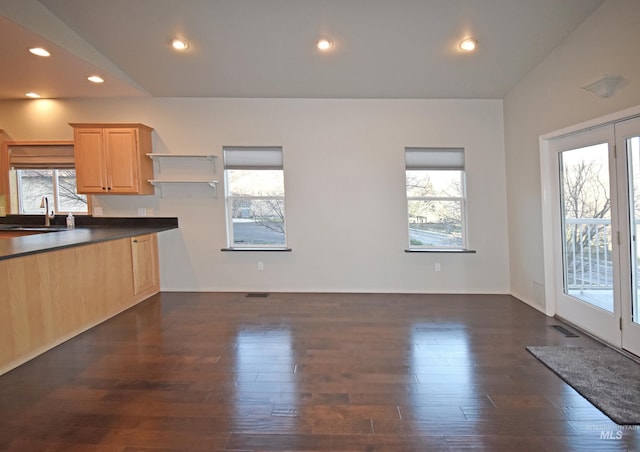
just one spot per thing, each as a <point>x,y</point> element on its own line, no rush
<point>435,207</point>
<point>586,194</point>
<point>586,203</point>
<point>256,204</point>
<point>58,185</point>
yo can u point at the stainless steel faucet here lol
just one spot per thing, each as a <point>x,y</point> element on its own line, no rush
<point>47,217</point>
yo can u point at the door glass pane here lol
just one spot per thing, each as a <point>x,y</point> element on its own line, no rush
<point>633,154</point>
<point>586,219</point>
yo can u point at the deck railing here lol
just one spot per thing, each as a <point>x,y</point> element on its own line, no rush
<point>587,254</point>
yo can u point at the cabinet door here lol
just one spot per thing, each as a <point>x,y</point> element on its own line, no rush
<point>144,257</point>
<point>121,147</point>
<point>90,161</point>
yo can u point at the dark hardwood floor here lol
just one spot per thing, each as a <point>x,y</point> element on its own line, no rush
<point>305,372</point>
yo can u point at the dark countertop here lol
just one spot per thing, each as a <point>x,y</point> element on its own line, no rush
<point>88,230</point>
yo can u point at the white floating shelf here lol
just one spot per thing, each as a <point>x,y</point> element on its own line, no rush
<point>160,155</point>
<point>156,156</point>
<point>211,183</point>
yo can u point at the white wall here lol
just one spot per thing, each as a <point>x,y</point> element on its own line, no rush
<point>344,179</point>
<point>551,98</point>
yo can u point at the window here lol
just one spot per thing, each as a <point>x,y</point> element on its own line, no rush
<point>436,198</point>
<point>254,193</point>
<point>59,186</point>
<point>38,170</point>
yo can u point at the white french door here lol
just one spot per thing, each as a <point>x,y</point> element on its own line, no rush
<point>593,179</point>
<point>627,135</point>
<point>587,291</point>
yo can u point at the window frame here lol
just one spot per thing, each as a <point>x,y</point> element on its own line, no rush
<point>54,203</point>
<point>9,189</point>
<point>252,158</point>
<point>429,159</point>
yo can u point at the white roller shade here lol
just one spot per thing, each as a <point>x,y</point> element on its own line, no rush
<point>252,157</point>
<point>434,158</point>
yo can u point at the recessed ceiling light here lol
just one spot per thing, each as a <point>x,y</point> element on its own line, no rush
<point>32,95</point>
<point>39,51</point>
<point>324,44</point>
<point>468,45</point>
<point>179,44</point>
<point>95,79</point>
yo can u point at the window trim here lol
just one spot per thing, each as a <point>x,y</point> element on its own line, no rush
<point>438,159</point>
<point>54,203</point>
<point>271,160</point>
<point>10,200</point>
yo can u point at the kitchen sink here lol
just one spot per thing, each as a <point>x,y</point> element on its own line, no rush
<point>10,230</point>
<point>33,228</point>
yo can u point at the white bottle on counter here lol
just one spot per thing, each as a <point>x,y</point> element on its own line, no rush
<point>71,221</point>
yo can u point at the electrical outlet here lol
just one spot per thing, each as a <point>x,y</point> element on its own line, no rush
<point>437,266</point>
<point>97,211</point>
<point>142,211</point>
<point>260,265</point>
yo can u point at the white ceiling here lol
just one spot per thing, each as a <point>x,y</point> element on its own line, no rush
<point>265,48</point>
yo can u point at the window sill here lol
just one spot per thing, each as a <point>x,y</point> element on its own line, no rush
<point>277,249</point>
<point>440,250</point>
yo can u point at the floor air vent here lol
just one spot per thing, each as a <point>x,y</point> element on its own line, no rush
<point>564,331</point>
<point>257,295</point>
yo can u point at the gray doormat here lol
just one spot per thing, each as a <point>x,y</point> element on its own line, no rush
<point>606,378</point>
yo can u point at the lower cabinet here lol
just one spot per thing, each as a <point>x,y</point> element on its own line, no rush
<point>144,259</point>
<point>53,296</point>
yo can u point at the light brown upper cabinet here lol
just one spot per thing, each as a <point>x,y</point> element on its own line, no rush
<point>111,158</point>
